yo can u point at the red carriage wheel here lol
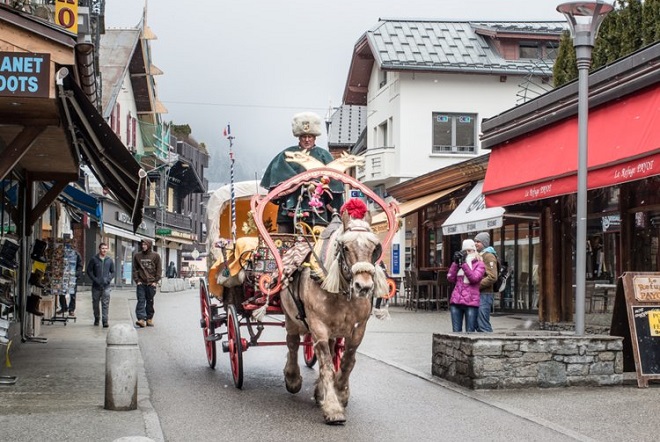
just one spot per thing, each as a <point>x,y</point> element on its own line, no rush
<point>235,345</point>
<point>339,353</point>
<point>207,323</point>
<point>308,350</point>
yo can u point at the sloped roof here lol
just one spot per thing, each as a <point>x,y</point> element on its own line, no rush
<point>115,54</point>
<point>346,125</point>
<point>443,46</point>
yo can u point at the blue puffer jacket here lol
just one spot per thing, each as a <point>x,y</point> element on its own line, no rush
<point>466,293</point>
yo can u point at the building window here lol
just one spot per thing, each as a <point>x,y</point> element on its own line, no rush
<point>538,50</point>
<point>382,78</point>
<point>454,133</point>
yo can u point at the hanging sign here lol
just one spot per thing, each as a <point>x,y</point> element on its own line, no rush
<point>66,14</point>
<point>24,75</point>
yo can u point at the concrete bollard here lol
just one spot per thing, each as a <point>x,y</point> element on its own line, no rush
<point>121,368</point>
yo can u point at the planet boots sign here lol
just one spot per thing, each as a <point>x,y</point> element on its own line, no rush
<point>24,74</point>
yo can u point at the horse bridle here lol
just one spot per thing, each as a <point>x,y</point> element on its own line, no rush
<point>346,272</point>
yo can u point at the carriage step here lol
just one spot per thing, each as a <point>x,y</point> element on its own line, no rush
<point>215,337</point>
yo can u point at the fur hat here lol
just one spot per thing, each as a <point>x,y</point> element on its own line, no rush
<point>306,123</point>
<point>468,244</point>
<point>483,238</point>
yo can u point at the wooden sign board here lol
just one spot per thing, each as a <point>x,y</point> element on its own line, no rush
<point>642,296</point>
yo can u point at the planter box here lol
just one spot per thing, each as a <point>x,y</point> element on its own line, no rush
<point>527,359</point>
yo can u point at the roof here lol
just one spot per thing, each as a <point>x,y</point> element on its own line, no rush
<point>444,46</point>
<point>116,51</point>
<point>346,125</point>
<point>452,46</point>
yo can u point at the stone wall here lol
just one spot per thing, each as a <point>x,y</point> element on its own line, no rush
<point>527,359</point>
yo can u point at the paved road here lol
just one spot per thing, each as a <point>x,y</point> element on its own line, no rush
<point>194,402</point>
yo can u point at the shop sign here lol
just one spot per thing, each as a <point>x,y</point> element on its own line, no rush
<point>66,14</point>
<point>611,223</point>
<point>24,74</point>
<point>126,219</point>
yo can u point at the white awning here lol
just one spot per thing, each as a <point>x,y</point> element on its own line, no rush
<point>472,215</point>
<point>109,229</point>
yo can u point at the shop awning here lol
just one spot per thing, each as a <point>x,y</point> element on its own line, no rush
<point>81,200</point>
<point>108,158</point>
<point>109,229</point>
<point>176,239</point>
<point>472,215</point>
<point>414,205</point>
<point>624,145</point>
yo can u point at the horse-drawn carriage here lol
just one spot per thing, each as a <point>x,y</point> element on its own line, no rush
<point>321,280</point>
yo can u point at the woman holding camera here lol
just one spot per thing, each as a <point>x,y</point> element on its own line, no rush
<point>465,272</point>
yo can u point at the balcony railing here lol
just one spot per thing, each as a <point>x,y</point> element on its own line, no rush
<point>380,164</point>
<point>169,219</point>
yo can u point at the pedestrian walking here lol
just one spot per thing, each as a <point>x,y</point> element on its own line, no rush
<point>489,256</point>
<point>147,271</point>
<point>466,271</point>
<point>101,270</point>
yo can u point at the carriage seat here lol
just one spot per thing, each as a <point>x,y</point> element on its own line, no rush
<point>228,273</point>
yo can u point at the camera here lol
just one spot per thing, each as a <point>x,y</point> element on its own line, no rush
<point>459,256</point>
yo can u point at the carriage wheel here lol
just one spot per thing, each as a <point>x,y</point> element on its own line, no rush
<point>308,350</point>
<point>339,353</point>
<point>207,323</point>
<point>235,346</point>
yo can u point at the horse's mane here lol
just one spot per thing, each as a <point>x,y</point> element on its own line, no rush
<point>358,232</point>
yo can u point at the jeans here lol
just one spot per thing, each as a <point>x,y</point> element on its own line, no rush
<point>485,306</point>
<point>101,295</point>
<point>72,301</point>
<point>145,302</point>
<point>458,312</point>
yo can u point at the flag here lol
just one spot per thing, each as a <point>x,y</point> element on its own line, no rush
<point>226,131</point>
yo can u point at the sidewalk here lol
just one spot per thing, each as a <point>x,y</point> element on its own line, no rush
<point>60,391</point>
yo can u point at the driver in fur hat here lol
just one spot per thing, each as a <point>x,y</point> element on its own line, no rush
<point>306,126</point>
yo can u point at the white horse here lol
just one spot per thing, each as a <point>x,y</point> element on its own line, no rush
<point>338,308</point>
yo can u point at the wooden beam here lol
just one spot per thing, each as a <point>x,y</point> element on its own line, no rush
<point>54,176</point>
<point>45,202</point>
<point>18,148</point>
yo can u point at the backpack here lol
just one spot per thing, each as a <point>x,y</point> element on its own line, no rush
<point>503,273</point>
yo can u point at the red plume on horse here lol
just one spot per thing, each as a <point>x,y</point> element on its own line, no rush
<point>356,208</point>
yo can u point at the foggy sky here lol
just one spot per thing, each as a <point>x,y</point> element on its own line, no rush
<point>255,63</point>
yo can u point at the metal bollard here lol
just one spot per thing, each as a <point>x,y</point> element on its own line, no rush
<point>121,364</point>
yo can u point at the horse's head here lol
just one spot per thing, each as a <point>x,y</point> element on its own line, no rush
<point>358,248</point>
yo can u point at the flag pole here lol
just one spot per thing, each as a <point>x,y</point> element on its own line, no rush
<point>230,137</point>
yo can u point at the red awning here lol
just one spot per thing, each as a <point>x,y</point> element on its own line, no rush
<point>624,145</point>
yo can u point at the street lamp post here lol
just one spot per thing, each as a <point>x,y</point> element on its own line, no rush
<point>584,19</point>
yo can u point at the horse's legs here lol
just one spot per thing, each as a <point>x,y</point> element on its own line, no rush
<point>325,393</point>
<point>292,377</point>
<point>351,344</point>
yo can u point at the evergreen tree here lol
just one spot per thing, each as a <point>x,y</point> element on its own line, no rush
<point>651,22</point>
<point>630,27</point>
<point>565,67</point>
<point>607,47</point>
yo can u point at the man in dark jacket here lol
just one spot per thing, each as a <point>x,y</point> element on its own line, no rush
<point>101,270</point>
<point>147,270</point>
